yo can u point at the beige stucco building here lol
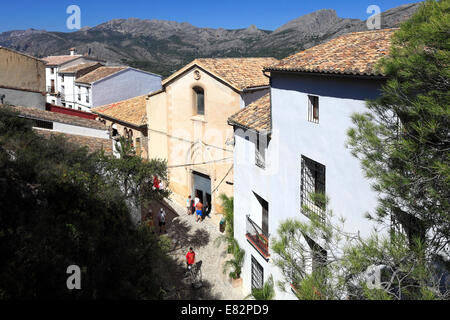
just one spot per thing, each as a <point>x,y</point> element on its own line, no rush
<point>22,79</point>
<point>187,123</point>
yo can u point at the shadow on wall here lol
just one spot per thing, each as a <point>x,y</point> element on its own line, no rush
<point>330,86</point>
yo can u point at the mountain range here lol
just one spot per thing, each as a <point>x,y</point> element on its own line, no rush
<point>164,46</point>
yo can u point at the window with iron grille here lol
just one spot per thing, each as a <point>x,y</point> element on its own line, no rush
<point>312,183</point>
<point>43,124</point>
<point>313,109</point>
<point>318,255</point>
<point>257,275</point>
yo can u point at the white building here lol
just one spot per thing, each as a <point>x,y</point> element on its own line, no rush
<point>108,84</point>
<point>84,132</point>
<point>306,117</point>
<point>55,81</point>
<point>69,96</point>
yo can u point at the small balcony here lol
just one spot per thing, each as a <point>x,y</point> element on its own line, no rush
<point>257,238</point>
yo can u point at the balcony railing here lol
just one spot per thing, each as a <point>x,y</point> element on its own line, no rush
<point>258,238</point>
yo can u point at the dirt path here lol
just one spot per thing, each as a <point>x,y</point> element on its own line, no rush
<point>185,232</point>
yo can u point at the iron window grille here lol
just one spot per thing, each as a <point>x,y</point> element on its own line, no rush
<point>257,275</point>
<point>42,124</point>
<point>312,183</point>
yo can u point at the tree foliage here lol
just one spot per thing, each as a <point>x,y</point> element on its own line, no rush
<point>404,140</point>
<point>320,261</point>
<point>403,143</point>
<point>58,209</point>
<point>133,176</point>
<point>267,292</point>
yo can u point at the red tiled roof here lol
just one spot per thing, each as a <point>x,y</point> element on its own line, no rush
<point>352,54</point>
<point>40,114</point>
<point>240,73</point>
<point>93,144</point>
<point>132,111</point>
<point>99,74</point>
<point>59,60</point>
<point>79,67</point>
<point>256,116</point>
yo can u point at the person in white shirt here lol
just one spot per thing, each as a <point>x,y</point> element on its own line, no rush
<point>188,205</point>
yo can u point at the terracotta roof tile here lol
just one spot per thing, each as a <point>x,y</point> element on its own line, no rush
<point>58,60</point>
<point>40,114</point>
<point>132,111</point>
<point>79,67</point>
<point>256,116</point>
<point>99,74</point>
<point>353,54</point>
<point>93,144</point>
<point>240,73</point>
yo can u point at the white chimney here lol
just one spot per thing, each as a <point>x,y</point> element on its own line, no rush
<point>72,51</point>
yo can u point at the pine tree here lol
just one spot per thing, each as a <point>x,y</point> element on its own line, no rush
<point>404,141</point>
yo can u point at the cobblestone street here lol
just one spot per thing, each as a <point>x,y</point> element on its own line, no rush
<point>185,232</point>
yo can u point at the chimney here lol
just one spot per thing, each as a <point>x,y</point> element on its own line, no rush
<point>72,51</point>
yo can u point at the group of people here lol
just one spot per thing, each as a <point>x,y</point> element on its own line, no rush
<point>196,207</point>
<point>161,220</point>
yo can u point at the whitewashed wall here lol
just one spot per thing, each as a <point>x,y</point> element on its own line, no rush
<point>124,85</point>
<point>293,136</point>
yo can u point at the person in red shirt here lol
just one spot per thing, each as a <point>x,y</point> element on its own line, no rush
<point>155,183</point>
<point>190,258</point>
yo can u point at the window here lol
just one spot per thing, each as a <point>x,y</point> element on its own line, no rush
<point>43,124</point>
<point>63,104</point>
<point>313,109</point>
<point>115,132</point>
<point>260,151</point>
<point>79,93</point>
<point>62,78</point>
<point>51,89</point>
<point>87,95</point>
<point>318,255</point>
<point>52,70</point>
<point>312,183</point>
<point>257,275</point>
<point>258,236</point>
<point>199,100</point>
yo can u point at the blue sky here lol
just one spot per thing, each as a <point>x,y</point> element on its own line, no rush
<point>229,14</point>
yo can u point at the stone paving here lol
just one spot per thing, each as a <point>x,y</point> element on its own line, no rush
<point>185,232</point>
